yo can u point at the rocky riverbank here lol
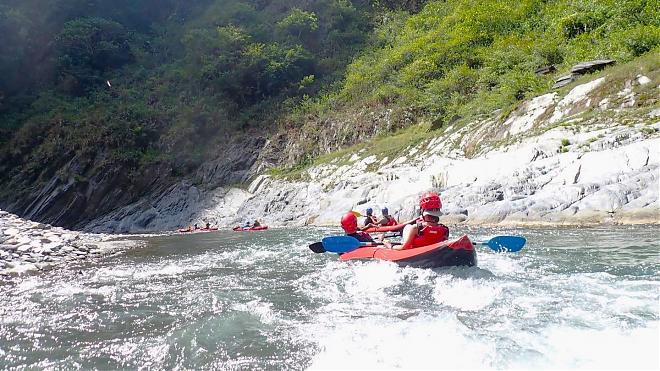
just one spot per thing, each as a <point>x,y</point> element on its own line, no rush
<point>29,246</point>
<point>589,154</point>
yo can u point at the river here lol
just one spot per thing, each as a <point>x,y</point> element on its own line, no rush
<point>573,298</point>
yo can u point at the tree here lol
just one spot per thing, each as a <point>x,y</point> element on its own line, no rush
<point>299,21</point>
<point>87,48</point>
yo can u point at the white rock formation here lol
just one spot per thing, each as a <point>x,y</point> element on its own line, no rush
<point>550,162</point>
<point>26,246</point>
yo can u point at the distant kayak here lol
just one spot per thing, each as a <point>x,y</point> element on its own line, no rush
<point>259,228</point>
<point>198,230</point>
<point>456,252</point>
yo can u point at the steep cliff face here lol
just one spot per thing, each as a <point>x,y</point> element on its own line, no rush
<point>84,189</point>
<point>586,154</point>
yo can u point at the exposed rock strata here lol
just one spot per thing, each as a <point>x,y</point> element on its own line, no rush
<point>578,159</point>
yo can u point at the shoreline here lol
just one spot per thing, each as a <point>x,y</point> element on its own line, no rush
<point>27,246</point>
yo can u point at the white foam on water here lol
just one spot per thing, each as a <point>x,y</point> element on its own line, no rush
<point>372,279</point>
<point>466,294</point>
<point>158,268</point>
<point>263,311</point>
<point>518,317</point>
<point>501,264</point>
<point>28,285</point>
<point>142,273</point>
<point>418,342</point>
<point>629,305</point>
<point>564,346</point>
<point>70,289</point>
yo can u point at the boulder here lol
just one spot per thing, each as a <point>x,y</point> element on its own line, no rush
<point>591,66</point>
<point>581,69</point>
<point>545,70</point>
<point>11,231</point>
<point>564,80</point>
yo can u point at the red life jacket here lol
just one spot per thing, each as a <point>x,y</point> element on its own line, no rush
<point>430,234</point>
<point>391,221</point>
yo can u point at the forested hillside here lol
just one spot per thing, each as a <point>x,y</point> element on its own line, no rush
<point>455,61</point>
<point>102,102</point>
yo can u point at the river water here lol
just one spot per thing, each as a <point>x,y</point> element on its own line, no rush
<point>573,298</point>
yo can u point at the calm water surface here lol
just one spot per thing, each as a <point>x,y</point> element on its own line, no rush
<point>574,298</point>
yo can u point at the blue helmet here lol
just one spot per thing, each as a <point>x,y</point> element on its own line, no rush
<point>385,211</point>
<point>370,211</point>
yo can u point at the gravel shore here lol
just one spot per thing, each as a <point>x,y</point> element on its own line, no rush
<point>27,246</point>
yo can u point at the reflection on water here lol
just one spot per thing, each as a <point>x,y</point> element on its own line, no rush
<point>573,298</point>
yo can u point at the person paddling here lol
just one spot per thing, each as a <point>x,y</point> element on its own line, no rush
<point>428,230</point>
<point>387,219</point>
<point>349,224</point>
<point>370,220</point>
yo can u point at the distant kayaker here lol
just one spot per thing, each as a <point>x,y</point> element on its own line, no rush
<point>370,220</point>
<point>256,224</point>
<point>195,226</point>
<point>349,224</point>
<point>208,225</point>
<point>428,230</point>
<point>387,218</point>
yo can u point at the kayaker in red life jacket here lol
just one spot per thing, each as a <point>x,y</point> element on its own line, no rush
<point>370,220</point>
<point>428,230</point>
<point>387,218</point>
<point>349,224</point>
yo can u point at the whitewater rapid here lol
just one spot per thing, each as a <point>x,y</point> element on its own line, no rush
<point>584,298</point>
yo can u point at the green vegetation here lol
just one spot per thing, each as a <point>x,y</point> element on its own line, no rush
<point>458,59</point>
<point>133,84</point>
<point>390,146</point>
<point>127,86</point>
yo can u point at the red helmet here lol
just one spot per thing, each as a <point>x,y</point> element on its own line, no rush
<point>430,201</point>
<point>349,222</point>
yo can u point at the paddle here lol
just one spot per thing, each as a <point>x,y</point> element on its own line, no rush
<point>341,244</point>
<point>504,243</point>
<point>356,213</point>
<point>317,247</point>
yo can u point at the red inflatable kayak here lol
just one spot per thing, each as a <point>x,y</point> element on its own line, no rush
<point>198,230</point>
<point>389,228</point>
<point>442,254</point>
<point>259,228</point>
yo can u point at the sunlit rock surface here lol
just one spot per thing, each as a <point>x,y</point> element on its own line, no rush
<point>577,159</point>
<point>28,246</point>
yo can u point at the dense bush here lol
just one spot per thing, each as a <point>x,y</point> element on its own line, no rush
<point>134,82</point>
<point>460,58</point>
<point>87,48</point>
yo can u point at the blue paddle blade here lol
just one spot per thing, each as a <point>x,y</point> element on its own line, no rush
<point>340,244</point>
<point>505,243</point>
